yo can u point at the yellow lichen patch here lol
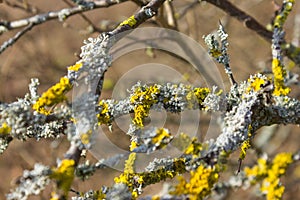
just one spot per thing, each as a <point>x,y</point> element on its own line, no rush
<point>201,94</point>
<point>246,144</point>
<point>133,145</point>
<point>279,74</point>
<point>161,134</point>
<point>64,175</point>
<point>143,98</point>
<point>137,180</point>
<point>129,163</point>
<point>85,137</point>
<point>194,148</point>
<point>255,83</point>
<point>131,21</point>
<point>197,95</point>
<point>200,184</point>
<point>75,67</point>
<point>128,176</point>
<point>140,112</point>
<point>100,195</point>
<point>54,196</point>
<point>283,14</point>
<point>54,95</point>
<point>215,53</point>
<point>271,184</point>
<point>270,173</point>
<point>258,171</point>
<point>155,197</point>
<point>104,115</point>
<point>4,129</point>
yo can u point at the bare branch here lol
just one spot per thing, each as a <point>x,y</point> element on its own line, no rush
<point>61,14</point>
<point>243,17</point>
<point>14,39</point>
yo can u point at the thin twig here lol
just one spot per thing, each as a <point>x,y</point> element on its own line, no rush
<point>251,23</point>
<point>172,22</point>
<point>140,3</point>
<point>243,17</point>
<point>61,14</point>
<point>14,39</point>
<point>41,18</point>
<point>85,18</point>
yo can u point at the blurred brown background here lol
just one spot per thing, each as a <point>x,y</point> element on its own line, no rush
<point>49,48</point>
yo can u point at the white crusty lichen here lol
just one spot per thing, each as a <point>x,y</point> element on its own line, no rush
<point>215,101</point>
<point>151,140</point>
<point>24,124</point>
<point>95,59</point>
<point>87,76</point>
<point>31,183</point>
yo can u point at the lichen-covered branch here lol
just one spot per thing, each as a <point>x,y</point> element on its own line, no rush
<point>245,108</point>
<point>250,22</point>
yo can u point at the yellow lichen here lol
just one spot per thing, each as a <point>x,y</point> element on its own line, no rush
<point>200,184</point>
<point>215,53</point>
<point>5,129</point>
<point>52,96</point>
<point>256,83</point>
<point>133,145</point>
<point>246,144</point>
<point>197,95</point>
<point>201,94</point>
<point>54,196</point>
<point>64,175</point>
<point>194,148</point>
<point>161,134</point>
<point>269,174</point>
<point>129,163</point>
<point>143,98</point>
<point>271,184</point>
<point>155,197</point>
<point>279,74</point>
<point>85,137</point>
<point>281,17</point>
<point>104,116</point>
<point>127,177</point>
<point>135,180</point>
<point>75,67</point>
<point>131,21</point>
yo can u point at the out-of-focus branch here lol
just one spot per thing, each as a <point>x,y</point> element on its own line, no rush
<point>171,19</point>
<point>61,14</point>
<point>84,17</point>
<point>140,2</point>
<point>250,22</point>
<point>243,17</point>
<point>14,39</point>
<point>41,18</point>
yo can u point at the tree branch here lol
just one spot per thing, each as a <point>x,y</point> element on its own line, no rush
<point>14,39</point>
<point>250,22</point>
<point>61,14</point>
